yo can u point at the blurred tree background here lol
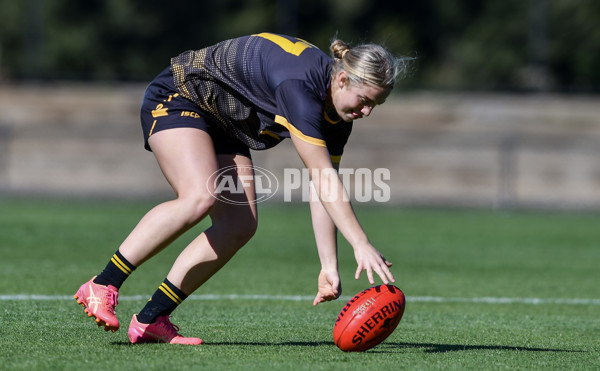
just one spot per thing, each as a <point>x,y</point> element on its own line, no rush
<point>513,45</point>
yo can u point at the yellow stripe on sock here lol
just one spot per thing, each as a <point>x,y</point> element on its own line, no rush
<point>119,263</point>
<point>172,293</point>
<point>173,296</point>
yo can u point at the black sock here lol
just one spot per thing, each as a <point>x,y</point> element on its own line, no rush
<point>116,272</point>
<point>164,301</point>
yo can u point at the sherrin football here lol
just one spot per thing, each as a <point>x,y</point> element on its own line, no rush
<point>368,318</point>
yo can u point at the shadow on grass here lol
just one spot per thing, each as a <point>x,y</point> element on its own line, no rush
<point>444,348</point>
<point>386,347</point>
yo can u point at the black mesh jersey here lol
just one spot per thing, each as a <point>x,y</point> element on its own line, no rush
<point>262,87</point>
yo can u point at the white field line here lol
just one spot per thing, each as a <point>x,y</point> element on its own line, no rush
<point>412,299</point>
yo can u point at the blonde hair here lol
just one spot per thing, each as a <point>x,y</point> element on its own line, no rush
<point>367,63</point>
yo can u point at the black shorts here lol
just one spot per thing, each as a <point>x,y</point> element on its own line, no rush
<point>164,108</point>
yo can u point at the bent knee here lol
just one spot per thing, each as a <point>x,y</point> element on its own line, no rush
<point>197,206</point>
<point>249,229</point>
<point>242,231</point>
<point>238,231</point>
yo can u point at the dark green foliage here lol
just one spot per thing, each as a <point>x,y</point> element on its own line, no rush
<point>463,44</point>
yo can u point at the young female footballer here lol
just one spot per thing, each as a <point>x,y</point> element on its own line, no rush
<point>203,114</point>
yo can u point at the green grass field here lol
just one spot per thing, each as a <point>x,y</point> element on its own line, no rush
<point>485,290</point>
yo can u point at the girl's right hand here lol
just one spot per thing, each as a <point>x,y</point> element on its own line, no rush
<point>330,287</point>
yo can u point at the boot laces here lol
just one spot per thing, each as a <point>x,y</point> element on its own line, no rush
<point>111,300</point>
<point>166,323</point>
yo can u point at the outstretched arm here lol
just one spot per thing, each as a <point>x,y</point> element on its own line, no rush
<point>331,192</point>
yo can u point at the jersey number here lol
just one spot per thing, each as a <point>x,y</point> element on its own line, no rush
<point>293,48</point>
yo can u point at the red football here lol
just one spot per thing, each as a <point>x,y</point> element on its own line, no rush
<point>368,318</point>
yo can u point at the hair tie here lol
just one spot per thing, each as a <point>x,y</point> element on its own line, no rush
<point>344,53</point>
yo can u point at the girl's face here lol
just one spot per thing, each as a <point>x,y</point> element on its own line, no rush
<point>351,101</point>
